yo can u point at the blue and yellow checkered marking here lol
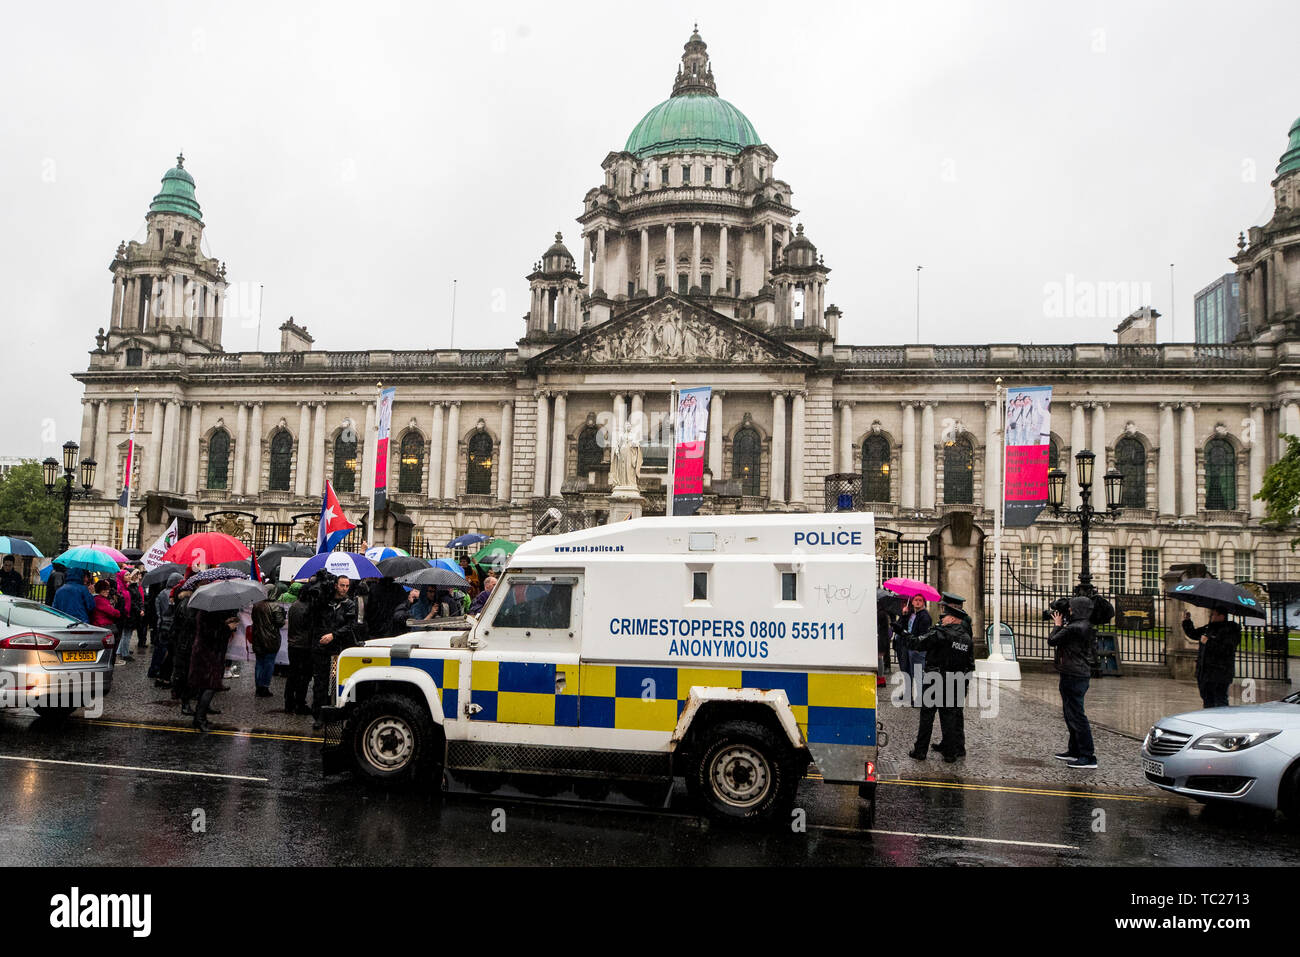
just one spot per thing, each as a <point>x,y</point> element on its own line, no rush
<point>524,692</point>
<point>444,672</point>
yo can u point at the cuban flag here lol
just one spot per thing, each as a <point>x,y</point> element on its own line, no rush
<point>334,526</point>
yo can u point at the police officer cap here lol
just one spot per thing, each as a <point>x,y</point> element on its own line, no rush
<point>952,605</point>
<point>950,599</point>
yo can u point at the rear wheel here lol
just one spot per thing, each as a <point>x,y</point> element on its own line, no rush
<point>393,740</point>
<point>743,773</point>
<point>1290,796</point>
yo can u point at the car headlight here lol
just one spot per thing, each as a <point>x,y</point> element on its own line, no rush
<point>1232,740</point>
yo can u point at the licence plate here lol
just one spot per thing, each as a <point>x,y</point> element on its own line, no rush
<point>80,655</point>
<point>1153,767</point>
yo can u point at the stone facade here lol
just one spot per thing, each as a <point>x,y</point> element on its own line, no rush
<point>495,436</point>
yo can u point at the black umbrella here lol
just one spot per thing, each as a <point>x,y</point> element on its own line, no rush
<point>438,577</point>
<point>227,595</point>
<point>271,556</point>
<point>1218,595</point>
<point>159,575</point>
<point>135,554</point>
<point>401,565</point>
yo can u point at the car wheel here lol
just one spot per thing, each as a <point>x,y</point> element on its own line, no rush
<point>1290,796</point>
<point>744,774</point>
<point>53,714</point>
<point>392,740</point>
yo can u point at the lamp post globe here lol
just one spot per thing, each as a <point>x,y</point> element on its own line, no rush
<point>51,469</point>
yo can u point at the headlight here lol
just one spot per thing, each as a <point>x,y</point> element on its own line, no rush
<point>1232,740</point>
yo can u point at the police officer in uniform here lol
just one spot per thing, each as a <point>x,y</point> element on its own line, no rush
<point>949,657</point>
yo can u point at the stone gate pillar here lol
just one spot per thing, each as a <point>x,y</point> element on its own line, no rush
<point>957,566</point>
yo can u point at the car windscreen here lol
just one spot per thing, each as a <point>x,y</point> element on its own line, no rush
<point>30,614</point>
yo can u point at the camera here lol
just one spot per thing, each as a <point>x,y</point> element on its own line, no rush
<point>1060,606</point>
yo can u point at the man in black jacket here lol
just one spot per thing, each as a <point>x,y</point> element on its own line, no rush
<point>1075,646</point>
<point>1216,656</point>
<point>949,658</point>
<point>338,626</point>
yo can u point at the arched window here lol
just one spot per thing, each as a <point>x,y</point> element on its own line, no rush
<point>281,461</point>
<point>219,459</point>
<point>958,472</point>
<point>345,461</point>
<point>1053,454</point>
<point>746,460</point>
<point>478,479</point>
<point>1220,475</point>
<point>1131,461</point>
<point>411,474</point>
<point>875,469</point>
<point>590,455</point>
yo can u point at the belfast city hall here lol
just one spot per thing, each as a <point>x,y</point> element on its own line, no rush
<point>688,267</point>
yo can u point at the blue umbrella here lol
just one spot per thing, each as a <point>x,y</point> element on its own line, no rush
<point>18,546</point>
<point>448,564</point>
<point>87,559</point>
<point>44,573</point>
<point>466,540</point>
<point>380,552</point>
<point>339,563</point>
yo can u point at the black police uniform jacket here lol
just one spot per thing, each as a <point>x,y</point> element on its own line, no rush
<point>1216,660</point>
<point>949,649</point>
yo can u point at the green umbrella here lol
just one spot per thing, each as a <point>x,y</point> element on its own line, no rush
<point>495,552</point>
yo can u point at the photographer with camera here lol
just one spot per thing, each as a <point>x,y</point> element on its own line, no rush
<point>1075,645</point>
<point>336,626</point>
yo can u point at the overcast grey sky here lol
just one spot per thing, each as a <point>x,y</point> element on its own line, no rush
<point>355,158</point>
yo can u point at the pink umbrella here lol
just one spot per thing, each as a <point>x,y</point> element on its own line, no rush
<point>112,553</point>
<point>910,586</point>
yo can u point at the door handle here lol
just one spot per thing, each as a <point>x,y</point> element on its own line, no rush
<point>472,709</point>
<point>560,681</point>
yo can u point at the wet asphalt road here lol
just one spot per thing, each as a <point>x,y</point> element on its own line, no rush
<point>263,801</point>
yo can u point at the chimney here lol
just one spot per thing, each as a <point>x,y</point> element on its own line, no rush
<point>1139,328</point>
<point>294,338</point>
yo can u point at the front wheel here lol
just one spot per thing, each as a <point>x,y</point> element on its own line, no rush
<point>1290,796</point>
<point>54,714</point>
<point>744,773</point>
<point>393,740</point>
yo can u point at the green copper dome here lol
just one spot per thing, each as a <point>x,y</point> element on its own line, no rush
<point>692,122</point>
<point>177,195</point>
<point>1290,161</point>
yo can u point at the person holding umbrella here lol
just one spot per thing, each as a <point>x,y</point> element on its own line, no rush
<point>1216,656</point>
<point>913,621</point>
<point>207,661</point>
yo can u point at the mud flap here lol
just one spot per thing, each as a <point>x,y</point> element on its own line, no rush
<point>336,755</point>
<point>842,763</point>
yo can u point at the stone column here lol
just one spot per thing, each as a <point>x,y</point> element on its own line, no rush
<point>1099,446</point>
<point>451,459</point>
<point>1256,459</point>
<point>846,436</point>
<point>115,318</point>
<point>302,476</point>
<point>172,446</point>
<point>992,455</point>
<point>715,435</point>
<point>587,276</point>
<point>1077,442</point>
<point>559,445</point>
<point>927,456</point>
<point>907,494</point>
<point>796,448</point>
<point>670,258</point>
<point>637,415</point>
<point>150,471</point>
<point>720,267</point>
<point>253,478</point>
<point>88,429</point>
<point>541,442</point>
<point>103,475</point>
<point>767,252</point>
<point>601,265</point>
<point>435,452</point>
<point>192,453</point>
<point>505,455</point>
<point>241,450</point>
<point>1165,467</point>
<point>695,258</point>
<point>776,480</point>
<point>645,262</point>
<point>319,439</point>
<point>1187,462</point>
<point>1289,423</point>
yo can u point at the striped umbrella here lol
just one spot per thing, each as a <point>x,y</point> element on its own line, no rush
<point>211,575</point>
<point>379,552</point>
<point>18,546</point>
<point>350,564</point>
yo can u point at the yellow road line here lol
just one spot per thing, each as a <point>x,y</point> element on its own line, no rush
<point>264,735</point>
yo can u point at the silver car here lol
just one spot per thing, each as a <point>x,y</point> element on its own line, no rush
<point>51,661</point>
<point>1244,755</point>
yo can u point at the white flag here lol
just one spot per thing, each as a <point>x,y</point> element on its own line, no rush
<point>154,556</point>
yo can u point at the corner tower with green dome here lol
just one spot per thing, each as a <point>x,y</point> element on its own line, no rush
<point>1268,257</point>
<point>167,294</point>
<point>691,205</point>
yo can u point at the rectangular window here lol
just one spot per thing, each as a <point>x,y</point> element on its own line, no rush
<point>1029,564</point>
<point>1243,566</point>
<point>789,586</point>
<point>686,175</point>
<point>727,176</point>
<point>1118,571</point>
<point>663,175</point>
<point>1150,571</point>
<point>708,174</point>
<point>682,287</point>
<point>631,289</point>
<point>706,284</point>
<point>1210,559</point>
<point>659,285</point>
<point>700,586</point>
<point>1062,579</point>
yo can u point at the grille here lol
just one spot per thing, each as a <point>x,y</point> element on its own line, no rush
<point>1159,779</point>
<point>1168,742</point>
<point>1217,783</point>
<point>625,765</point>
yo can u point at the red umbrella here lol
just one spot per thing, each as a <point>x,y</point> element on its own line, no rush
<point>208,548</point>
<point>910,586</point>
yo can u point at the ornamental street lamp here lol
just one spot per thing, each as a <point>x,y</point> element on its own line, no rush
<point>69,491</point>
<point>1085,514</point>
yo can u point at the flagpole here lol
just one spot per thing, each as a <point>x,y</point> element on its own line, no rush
<point>672,446</point>
<point>374,472</point>
<point>130,461</point>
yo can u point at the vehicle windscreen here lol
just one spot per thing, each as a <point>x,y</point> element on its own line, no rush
<point>535,605</point>
<point>30,614</point>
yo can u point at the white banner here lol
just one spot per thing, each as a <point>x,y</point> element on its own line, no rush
<point>154,556</point>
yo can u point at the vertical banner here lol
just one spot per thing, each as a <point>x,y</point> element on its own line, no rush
<point>385,420</point>
<point>1028,435</point>
<point>690,427</point>
<point>124,499</point>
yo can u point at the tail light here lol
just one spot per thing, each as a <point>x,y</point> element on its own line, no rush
<point>871,771</point>
<point>28,640</point>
